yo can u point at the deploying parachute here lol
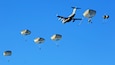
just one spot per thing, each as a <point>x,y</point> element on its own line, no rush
<point>26,32</point>
<point>89,13</point>
<point>105,16</point>
<point>7,53</point>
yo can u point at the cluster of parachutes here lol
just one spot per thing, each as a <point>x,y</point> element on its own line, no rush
<point>40,40</point>
<point>90,13</point>
<point>55,37</point>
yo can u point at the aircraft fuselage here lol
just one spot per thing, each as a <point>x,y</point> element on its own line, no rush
<point>68,19</point>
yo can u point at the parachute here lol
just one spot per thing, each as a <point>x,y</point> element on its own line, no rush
<point>56,37</point>
<point>7,53</point>
<point>89,13</point>
<point>26,32</point>
<point>39,40</point>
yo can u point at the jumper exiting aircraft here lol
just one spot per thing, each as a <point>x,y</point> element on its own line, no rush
<point>70,17</point>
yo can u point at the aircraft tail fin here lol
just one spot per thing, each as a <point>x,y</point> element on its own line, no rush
<point>74,10</point>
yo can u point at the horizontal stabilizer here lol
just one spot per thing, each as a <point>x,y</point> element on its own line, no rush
<point>76,8</point>
<point>77,19</point>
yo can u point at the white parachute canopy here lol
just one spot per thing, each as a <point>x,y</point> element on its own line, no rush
<point>89,13</point>
<point>26,32</point>
<point>56,37</point>
<point>39,40</point>
<point>7,53</point>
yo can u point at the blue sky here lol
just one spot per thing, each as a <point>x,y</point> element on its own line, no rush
<point>85,44</point>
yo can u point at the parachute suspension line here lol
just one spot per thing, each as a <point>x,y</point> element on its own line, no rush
<point>8,59</point>
<point>39,47</point>
<point>57,44</point>
<point>25,38</point>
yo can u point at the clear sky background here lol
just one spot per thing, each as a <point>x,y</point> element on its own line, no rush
<point>85,44</point>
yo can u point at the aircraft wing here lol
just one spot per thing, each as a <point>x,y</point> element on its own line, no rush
<point>62,17</point>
